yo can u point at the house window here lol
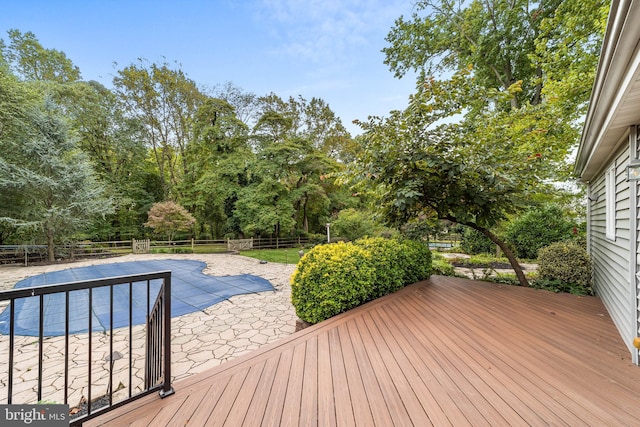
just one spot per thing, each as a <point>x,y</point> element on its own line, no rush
<point>610,198</point>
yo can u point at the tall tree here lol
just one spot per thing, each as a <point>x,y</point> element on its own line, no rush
<point>165,101</point>
<point>313,120</point>
<point>218,159</point>
<point>115,146</point>
<point>15,104</point>
<point>244,103</point>
<point>568,50</point>
<point>51,179</point>
<point>292,161</point>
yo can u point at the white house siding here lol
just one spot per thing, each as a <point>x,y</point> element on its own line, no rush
<point>611,265</point>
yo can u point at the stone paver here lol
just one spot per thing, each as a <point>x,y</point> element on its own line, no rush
<point>200,340</point>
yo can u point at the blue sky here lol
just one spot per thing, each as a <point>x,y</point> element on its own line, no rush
<point>329,49</point>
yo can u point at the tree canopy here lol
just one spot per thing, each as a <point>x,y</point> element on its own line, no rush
<point>477,145</point>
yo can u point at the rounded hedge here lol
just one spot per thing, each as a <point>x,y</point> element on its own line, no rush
<point>567,262</point>
<point>333,278</point>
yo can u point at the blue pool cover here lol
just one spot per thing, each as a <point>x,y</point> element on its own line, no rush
<point>191,291</point>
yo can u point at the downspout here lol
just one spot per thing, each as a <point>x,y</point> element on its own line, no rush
<point>633,243</point>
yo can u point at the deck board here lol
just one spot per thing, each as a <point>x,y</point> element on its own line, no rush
<point>446,351</point>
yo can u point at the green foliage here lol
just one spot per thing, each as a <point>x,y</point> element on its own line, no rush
<point>473,242</point>
<point>485,259</point>
<point>164,100</point>
<point>389,262</point>
<point>334,278</point>
<point>568,48</point>
<point>504,278</point>
<point>567,262</point>
<point>446,35</point>
<point>33,62</point>
<point>442,267</point>
<point>353,224</point>
<point>536,229</point>
<point>414,260</point>
<point>53,189</point>
<point>560,286</point>
<point>331,279</point>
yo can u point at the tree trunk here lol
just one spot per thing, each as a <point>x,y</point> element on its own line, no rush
<point>51,254</point>
<point>305,219</point>
<point>508,253</point>
<point>505,249</point>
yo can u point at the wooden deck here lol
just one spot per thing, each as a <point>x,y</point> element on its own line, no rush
<point>446,351</point>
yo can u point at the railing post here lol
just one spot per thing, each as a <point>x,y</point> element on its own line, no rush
<point>167,389</point>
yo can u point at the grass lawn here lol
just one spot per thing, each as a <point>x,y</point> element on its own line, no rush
<point>285,256</point>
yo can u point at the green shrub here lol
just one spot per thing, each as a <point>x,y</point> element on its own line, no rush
<point>560,286</point>
<point>567,262</point>
<point>473,242</point>
<point>334,278</point>
<point>331,279</point>
<point>536,229</point>
<point>352,224</point>
<point>388,262</point>
<point>441,267</point>
<point>415,261</point>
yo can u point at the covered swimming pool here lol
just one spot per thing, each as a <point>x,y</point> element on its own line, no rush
<point>191,291</point>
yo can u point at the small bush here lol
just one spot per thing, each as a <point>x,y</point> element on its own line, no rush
<point>536,229</point>
<point>473,242</point>
<point>331,279</point>
<point>560,286</point>
<point>441,267</point>
<point>567,262</point>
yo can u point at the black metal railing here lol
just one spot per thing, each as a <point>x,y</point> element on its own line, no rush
<point>98,335</point>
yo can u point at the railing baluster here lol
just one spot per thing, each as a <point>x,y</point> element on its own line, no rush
<point>66,348</point>
<point>111,361</point>
<point>90,348</point>
<point>146,368</point>
<point>40,344</point>
<point>130,338</point>
<point>12,337</point>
